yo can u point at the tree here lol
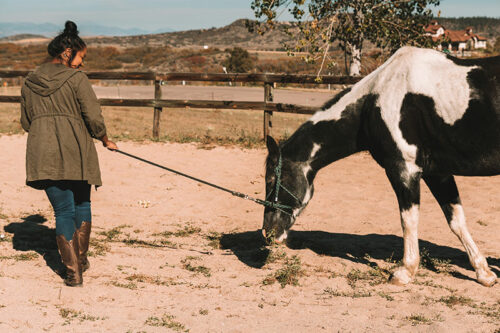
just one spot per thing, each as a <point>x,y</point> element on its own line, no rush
<point>386,23</point>
<point>496,47</point>
<point>239,61</point>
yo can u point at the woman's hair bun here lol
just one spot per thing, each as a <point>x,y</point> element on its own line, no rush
<point>70,28</point>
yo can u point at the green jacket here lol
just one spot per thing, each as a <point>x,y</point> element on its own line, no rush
<point>61,112</point>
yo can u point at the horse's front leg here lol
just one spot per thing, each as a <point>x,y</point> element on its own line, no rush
<point>407,188</point>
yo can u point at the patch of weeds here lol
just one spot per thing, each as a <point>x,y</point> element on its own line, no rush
<point>453,300</point>
<point>97,248</point>
<point>375,276</point>
<point>203,312</point>
<point>130,285</point>
<point>430,283</point>
<point>165,234</point>
<point>482,223</point>
<point>112,234</point>
<point>26,256</point>
<point>275,256</point>
<point>434,264</point>
<point>3,216</point>
<point>386,296</point>
<point>330,274</point>
<point>214,238</point>
<point>166,321</point>
<point>70,314</point>
<point>21,257</point>
<point>287,275</point>
<point>184,232</point>
<point>148,279</point>
<point>187,265</point>
<point>187,231</point>
<point>5,238</point>
<point>143,243</point>
<point>418,319</point>
<point>353,294</point>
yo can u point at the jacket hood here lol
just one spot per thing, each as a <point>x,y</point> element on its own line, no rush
<point>48,78</point>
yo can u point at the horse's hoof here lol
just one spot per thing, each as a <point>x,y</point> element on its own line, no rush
<point>401,277</point>
<point>487,279</point>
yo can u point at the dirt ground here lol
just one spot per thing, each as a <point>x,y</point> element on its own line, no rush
<point>168,254</point>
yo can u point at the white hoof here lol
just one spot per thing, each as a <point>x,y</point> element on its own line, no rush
<point>487,278</point>
<point>401,277</point>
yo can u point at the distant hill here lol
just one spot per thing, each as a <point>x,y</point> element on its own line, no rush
<point>19,37</point>
<point>232,35</point>
<point>236,34</point>
<point>87,29</point>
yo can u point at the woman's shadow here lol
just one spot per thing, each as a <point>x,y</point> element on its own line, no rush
<point>32,235</point>
<point>250,249</point>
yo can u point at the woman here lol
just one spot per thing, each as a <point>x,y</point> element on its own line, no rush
<point>60,111</point>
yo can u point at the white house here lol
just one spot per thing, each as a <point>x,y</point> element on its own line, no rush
<point>454,40</point>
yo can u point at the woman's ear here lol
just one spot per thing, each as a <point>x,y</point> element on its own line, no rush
<point>66,55</point>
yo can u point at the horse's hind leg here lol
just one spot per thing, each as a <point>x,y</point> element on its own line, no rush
<point>407,190</point>
<point>445,191</point>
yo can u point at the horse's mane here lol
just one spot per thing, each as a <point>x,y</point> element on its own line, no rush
<point>324,107</point>
<point>335,99</point>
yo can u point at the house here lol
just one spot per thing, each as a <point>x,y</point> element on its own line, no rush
<point>454,40</point>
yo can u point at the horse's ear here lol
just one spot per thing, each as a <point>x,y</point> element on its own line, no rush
<point>272,146</point>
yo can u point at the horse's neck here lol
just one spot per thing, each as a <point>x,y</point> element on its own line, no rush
<point>321,143</point>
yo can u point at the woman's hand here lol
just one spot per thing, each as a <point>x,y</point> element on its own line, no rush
<point>108,143</point>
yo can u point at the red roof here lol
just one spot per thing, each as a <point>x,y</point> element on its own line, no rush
<point>433,27</point>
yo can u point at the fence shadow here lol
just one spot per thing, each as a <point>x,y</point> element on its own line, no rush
<point>33,235</point>
<point>250,248</point>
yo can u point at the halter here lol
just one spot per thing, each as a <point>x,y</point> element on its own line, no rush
<point>275,204</point>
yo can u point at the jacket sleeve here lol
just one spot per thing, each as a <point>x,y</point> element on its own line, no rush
<point>25,116</point>
<point>90,108</point>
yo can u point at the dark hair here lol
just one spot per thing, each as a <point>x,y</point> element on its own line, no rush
<point>67,39</point>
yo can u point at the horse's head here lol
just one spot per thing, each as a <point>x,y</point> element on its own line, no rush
<point>287,192</point>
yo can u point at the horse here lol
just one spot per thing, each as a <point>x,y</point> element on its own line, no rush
<point>422,114</point>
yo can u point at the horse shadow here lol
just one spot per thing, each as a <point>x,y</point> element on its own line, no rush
<point>250,248</point>
<point>32,235</point>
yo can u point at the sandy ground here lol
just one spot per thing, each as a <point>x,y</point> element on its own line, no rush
<point>157,265</point>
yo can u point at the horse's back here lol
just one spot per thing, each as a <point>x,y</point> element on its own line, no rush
<point>449,139</point>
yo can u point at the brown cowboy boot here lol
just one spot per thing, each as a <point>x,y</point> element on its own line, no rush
<point>69,255</point>
<point>83,244</point>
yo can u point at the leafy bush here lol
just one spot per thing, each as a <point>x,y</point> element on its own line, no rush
<point>239,61</point>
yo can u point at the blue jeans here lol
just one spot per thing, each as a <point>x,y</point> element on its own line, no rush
<point>70,200</point>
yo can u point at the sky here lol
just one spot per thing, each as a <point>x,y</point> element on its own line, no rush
<point>174,14</point>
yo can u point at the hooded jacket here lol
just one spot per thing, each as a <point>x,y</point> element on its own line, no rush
<point>61,114</point>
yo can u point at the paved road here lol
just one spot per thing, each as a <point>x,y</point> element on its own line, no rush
<point>294,96</point>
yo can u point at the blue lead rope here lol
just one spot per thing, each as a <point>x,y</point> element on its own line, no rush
<point>265,203</point>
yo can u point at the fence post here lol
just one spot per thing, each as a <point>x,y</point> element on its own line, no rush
<point>157,111</point>
<point>268,115</point>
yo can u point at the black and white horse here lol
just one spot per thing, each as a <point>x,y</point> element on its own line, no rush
<point>422,114</point>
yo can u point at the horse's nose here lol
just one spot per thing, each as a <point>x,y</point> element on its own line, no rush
<point>264,233</point>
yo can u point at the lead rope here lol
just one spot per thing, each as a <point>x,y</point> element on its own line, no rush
<point>266,203</point>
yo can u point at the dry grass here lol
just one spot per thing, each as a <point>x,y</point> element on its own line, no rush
<point>207,127</point>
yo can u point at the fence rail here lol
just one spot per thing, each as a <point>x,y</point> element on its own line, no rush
<point>267,105</point>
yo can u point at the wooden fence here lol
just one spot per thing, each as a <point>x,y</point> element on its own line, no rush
<point>157,103</point>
